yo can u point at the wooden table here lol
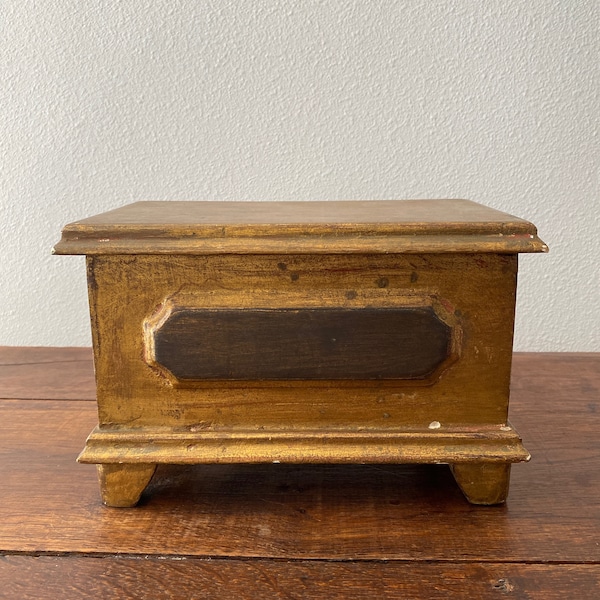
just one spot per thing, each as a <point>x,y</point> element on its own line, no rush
<point>280,531</point>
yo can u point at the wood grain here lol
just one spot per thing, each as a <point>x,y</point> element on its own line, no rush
<point>385,216</point>
<point>253,532</point>
<point>74,578</point>
<point>48,503</point>
<point>47,373</point>
<point>306,343</point>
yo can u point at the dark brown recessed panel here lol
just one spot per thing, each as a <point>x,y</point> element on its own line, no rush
<point>305,343</point>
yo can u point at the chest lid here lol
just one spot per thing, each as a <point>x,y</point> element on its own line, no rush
<point>389,226</point>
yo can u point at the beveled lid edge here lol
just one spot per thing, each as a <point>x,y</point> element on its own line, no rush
<point>390,244</point>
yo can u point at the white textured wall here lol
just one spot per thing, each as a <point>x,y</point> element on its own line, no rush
<point>107,102</point>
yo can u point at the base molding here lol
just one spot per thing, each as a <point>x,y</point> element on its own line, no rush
<point>166,445</point>
<point>480,459</point>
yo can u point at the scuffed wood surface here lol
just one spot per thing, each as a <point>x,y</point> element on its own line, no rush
<point>274,530</point>
<point>73,578</point>
<point>47,373</point>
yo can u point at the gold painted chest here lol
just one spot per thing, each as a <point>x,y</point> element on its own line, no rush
<point>302,332</point>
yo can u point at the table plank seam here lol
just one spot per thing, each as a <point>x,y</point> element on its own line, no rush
<point>275,559</point>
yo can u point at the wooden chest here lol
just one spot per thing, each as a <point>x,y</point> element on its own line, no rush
<point>295,332</point>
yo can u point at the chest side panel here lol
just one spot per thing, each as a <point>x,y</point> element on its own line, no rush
<point>451,315</point>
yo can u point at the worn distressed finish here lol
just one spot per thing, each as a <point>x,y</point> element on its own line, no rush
<point>158,271</point>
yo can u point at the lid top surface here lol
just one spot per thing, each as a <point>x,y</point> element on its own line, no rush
<point>316,216</point>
